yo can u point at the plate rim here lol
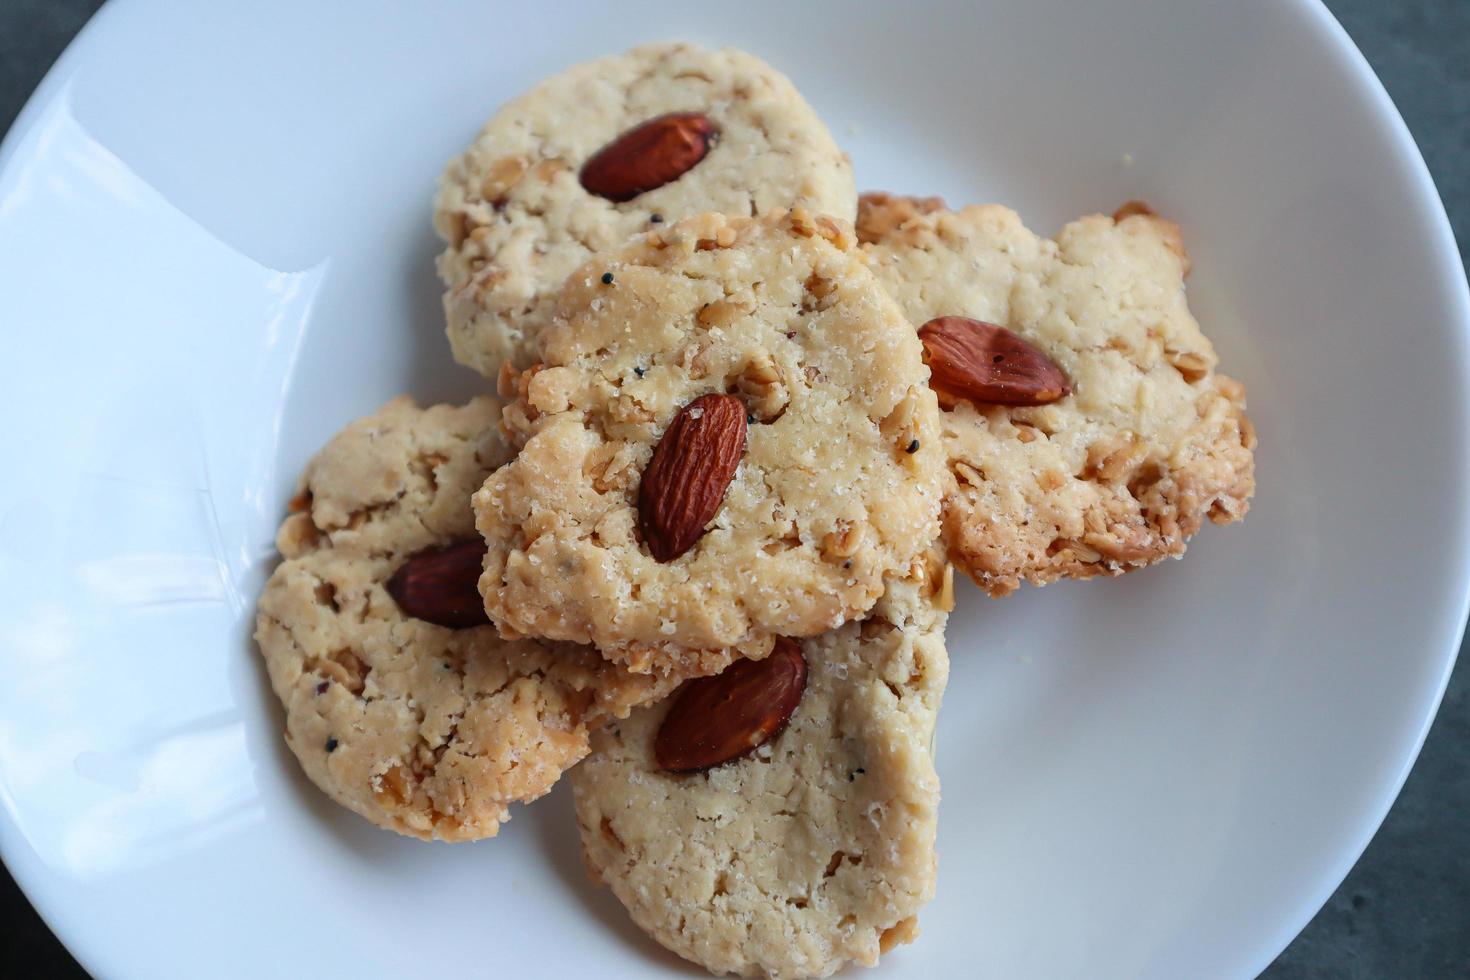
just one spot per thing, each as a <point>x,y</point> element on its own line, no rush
<point>27,877</point>
<point>1457,287</point>
<point>1450,273</point>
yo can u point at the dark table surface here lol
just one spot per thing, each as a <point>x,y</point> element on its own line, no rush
<point>1404,911</point>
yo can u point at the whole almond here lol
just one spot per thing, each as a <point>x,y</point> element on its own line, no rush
<point>974,361</point>
<point>438,585</point>
<point>649,155</point>
<point>692,466</point>
<point>716,719</point>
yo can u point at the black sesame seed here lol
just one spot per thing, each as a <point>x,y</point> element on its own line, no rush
<point>656,218</point>
<point>913,447</point>
<point>607,278</point>
<point>332,745</point>
<point>749,419</point>
<point>322,687</point>
<point>639,371</point>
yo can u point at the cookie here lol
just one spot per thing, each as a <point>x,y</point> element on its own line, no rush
<point>819,396</point>
<point>815,851</point>
<point>518,219</point>
<point>425,730</point>
<point>1150,441</point>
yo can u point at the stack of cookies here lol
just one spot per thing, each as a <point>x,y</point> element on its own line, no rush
<point>698,551</point>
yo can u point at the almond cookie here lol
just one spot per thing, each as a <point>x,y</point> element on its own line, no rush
<point>1139,439</point>
<point>816,850</point>
<point>730,438</point>
<point>607,149</point>
<point>421,728</point>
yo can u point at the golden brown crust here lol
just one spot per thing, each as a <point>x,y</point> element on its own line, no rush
<point>840,483</point>
<point>517,220</point>
<point>882,214</point>
<point>427,731</point>
<point>1167,231</point>
<point>1152,441</point>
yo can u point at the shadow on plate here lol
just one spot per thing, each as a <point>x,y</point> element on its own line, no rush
<point>556,833</point>
<point>432,374</point>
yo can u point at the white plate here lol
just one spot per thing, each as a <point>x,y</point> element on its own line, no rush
<point>215,250</point>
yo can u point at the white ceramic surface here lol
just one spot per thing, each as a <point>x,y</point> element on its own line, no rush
<point>215,250</point>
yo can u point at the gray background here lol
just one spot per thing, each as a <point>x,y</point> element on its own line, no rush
<point>1404,911</point>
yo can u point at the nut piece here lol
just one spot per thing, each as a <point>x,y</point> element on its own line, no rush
<point>691,468</point>
<point>648,156</point>
<point>1129,208</point>
<point>971,360</point>
<point>438,585</point>
<point>716,719</point>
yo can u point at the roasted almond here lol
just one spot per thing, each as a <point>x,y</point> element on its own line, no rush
<point>649,155</point>
<point>692,466</point>
<point>716,719</point>
<point>974,361</point>
<point>438,585</point>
